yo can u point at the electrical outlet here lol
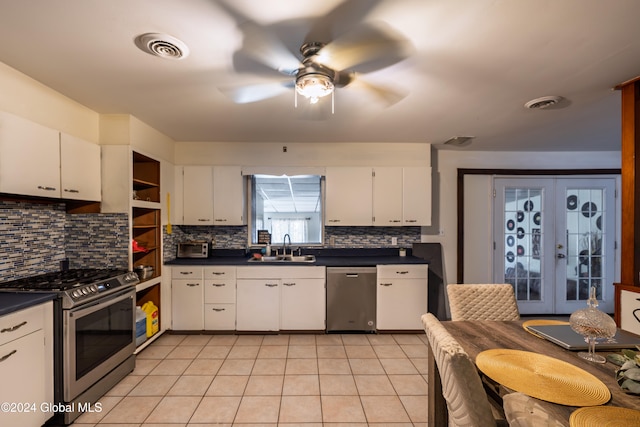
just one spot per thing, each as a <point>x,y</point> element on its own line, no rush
<point>332,241</point>
<point>394,241</point>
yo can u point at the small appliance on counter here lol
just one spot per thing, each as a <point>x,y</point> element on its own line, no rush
<point>193,250</point>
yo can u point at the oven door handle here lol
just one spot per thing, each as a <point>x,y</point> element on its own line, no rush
<point>98,304</point>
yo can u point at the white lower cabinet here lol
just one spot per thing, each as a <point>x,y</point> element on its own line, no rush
<point>187,299</point>
<point>401,296</point>
<point>203,298</point>
<point>302,302</point>
<point>26,365</point>
<point>219,298</point>
<point>280,298</point>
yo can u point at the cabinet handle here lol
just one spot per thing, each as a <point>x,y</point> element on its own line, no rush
<point>6,356</point>
<point>203,219</point>
<point>217,273</point>
<point>394,220</point>
<point>218,284</point>
<point>13,328</point>
<point>218,309</point>
<point>186,272</point>
<point>402,272</point>
<point>71,190</point>
<point>386,284</point>
<point>220,219</point>
<point>289,284</point>
<point>40,187</point>
<point>333,220</point>
<point>271,285</point>
<point>410,220</point>
<point>193,284</point>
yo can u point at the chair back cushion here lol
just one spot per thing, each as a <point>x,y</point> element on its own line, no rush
<point>483,302</point>
<point>461,384</point>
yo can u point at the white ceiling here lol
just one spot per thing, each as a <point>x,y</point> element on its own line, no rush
<point>474,64</point>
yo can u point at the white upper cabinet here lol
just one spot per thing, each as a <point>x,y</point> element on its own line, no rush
<point>228,196</point>
<point>387,196</point>
<point>79,169</point>
<point>39,161</point>
<point>416,196</point>
<point>197,195</point>
<point>29,158</point>
<point>213,195</point>
<point>349,196</point>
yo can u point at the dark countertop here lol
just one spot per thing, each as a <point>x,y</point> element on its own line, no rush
<point>14,301</point>
<point>328,261</point>
<point>366,257</point>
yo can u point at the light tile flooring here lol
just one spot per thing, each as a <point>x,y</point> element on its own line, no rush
<point>272,380</point>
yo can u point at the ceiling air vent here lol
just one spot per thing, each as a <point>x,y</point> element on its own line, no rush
<point>459,141</point>
<point>162,45</point>
<point>543,102</point>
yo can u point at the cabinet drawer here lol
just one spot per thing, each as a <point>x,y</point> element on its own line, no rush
<point>20,323</point>
<point>399,271</point>
<point>219,317</point>
<point>187,272</point>
<point>219,291</point>
<point>226,273</point>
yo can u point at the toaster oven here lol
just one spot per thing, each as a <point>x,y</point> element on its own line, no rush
<point>193,250</point>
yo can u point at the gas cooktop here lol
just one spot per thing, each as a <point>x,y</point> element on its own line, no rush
<point>76,285</point>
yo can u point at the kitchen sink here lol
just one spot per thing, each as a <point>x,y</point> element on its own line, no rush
<point>285,258</point>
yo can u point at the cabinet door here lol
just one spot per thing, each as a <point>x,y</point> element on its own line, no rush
<point>29,158</point>
<point>302,304</point>
<point>219,317</point>
<point>401,303</point>
<point>258,305</point>
<point>387,196</point>
<point>187,303</point>
<point>23,373</point>
<point>197,195</point>
<point>416,196</point>
<point>79,169</point>
<point>228,196</point>
<point>349,196</point>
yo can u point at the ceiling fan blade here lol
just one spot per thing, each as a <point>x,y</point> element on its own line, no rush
<point>256,92</point>
<point>387,95</point>
<point>369,47</point>
<point>339,20</point>
<point>265,47</point>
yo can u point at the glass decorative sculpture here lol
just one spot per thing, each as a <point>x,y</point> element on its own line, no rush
<point>593,324</point>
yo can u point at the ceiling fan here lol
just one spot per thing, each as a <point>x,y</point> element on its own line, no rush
<point>324,63</point>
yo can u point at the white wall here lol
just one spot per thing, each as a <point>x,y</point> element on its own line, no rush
<point>303,154</point>
<point>23,96</point>
<point>446,164</point>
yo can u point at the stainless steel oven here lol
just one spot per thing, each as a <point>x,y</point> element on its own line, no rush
<point>93,333</point>
<point>97,337</point>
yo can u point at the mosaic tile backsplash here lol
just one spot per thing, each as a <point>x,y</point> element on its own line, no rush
<point>35,237</point>
<point>335,237</point>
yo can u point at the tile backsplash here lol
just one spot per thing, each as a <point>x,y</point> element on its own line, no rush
<point>35,237</point>
<point>335,237</point>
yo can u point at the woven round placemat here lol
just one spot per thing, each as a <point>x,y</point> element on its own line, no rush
<point>541,322</point>
<point>543,377</point>
<point>605,416</point>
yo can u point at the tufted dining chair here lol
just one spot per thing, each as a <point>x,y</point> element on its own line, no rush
<point>482,302</point>
<point>467,401</point>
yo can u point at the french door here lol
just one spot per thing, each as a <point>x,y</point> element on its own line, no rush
<point>554,240</point>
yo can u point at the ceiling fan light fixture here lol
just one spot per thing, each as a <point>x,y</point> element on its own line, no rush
<point>314,86</point>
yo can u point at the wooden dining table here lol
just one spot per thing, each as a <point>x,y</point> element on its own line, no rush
<point>477,336</point>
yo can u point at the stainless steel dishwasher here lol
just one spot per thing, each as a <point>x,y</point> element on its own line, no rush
<point>351,299</point>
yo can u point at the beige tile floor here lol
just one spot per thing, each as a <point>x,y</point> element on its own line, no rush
<point>272,380</point>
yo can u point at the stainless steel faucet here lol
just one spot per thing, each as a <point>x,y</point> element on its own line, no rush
<point>284,244</point>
